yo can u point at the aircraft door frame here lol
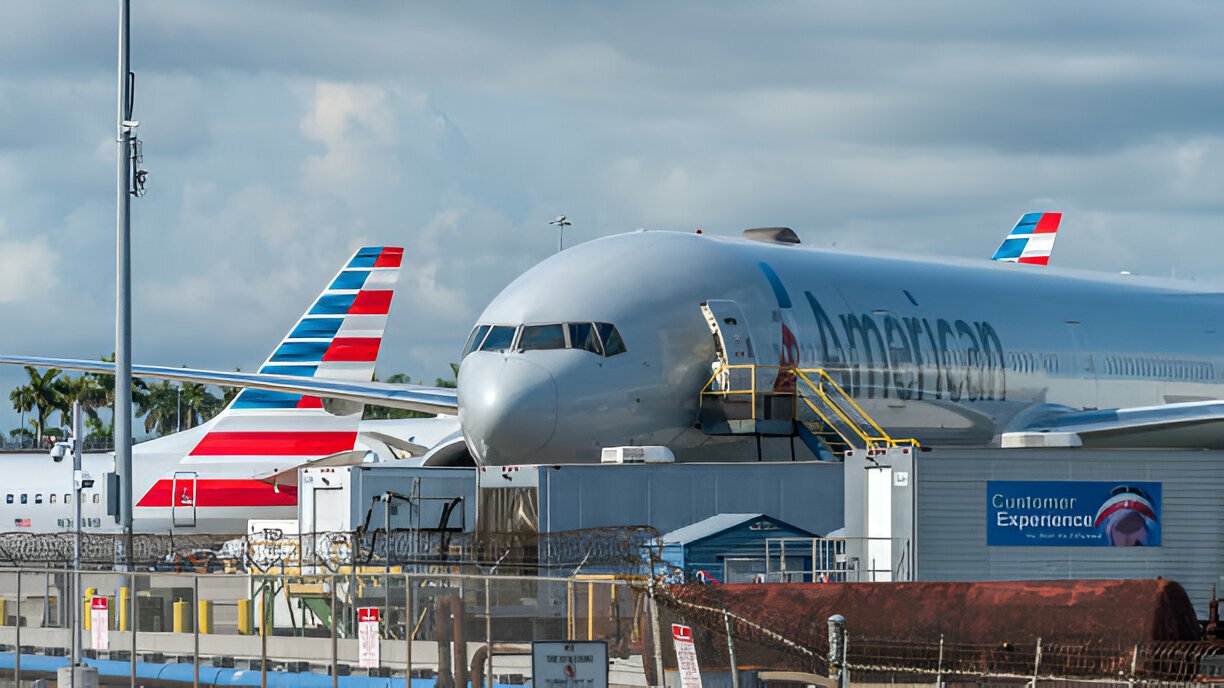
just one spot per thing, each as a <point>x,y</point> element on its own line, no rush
<point>732,338</point>
<point>1085,363</point>
<point>183,500</point>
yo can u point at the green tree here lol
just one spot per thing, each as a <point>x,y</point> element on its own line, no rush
<point>387,413</point>
<point>87,390</point>
<point>160,407</point>
<point>102,434</point>
<point>23,402</point>
<point>23,436</point>
<point>45,394</point>
<point>228,393</point>
<point>453,382</point>
<point>197,404</point>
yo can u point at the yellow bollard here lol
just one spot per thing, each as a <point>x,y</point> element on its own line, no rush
<point>206,616</point>
<point>112,612</point>
<point>182,616</point>
<point>124,595</point>
<point>3,612</point>
<point>246,621</point>
<point>89,595</point>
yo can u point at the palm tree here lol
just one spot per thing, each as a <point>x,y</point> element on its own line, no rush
<point>198,404</point>
<point>453,382</point>
<point>22,435</point>
<point>106,383</point>
<point>228,393</point>
<point>384,412</point>
<point>47,396</point>
<point>23,402</point>
<point>87,390</point>
<point>159,406</point>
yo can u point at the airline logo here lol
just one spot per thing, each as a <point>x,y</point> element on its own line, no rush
<point>1031,240</point>
<point>337,338</point>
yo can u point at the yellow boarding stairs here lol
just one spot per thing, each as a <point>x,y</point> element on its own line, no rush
<point>771,401</point>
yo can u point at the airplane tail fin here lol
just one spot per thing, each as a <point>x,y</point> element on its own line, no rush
<point>337,338</point>
<point>1031,240</point>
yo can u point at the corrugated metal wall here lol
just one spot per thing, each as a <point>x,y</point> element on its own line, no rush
<point>951,514</point>
<point>671,496</point>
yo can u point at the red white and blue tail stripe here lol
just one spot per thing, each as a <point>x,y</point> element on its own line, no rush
<point>1031,240</point>
<point>337,338</point>
<point>339,335</point>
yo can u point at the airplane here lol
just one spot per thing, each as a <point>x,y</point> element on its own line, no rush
<point>242,463</point>
<point>606,344</point>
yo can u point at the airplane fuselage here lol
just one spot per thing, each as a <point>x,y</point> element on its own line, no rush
<point>946,351</point>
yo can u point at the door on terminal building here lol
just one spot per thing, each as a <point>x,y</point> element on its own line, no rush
<point>183,499</point>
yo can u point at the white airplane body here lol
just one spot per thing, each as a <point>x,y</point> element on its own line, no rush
<point>242,464</point>
<point>605,344</point>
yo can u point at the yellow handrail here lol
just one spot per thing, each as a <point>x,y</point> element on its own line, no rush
<point>872,437</point>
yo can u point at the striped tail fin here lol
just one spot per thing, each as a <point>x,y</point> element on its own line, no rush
<point>338,338</point>
<point>339,335</point>
<point>1031,240</point>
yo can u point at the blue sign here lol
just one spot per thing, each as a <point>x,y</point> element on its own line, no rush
<point>1054,513</point>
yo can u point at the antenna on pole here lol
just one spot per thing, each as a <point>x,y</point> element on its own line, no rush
<point>562,222</point>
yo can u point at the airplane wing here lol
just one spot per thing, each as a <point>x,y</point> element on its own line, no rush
<point>412,397</point>
<point>288,476</point>
<point>1194,424</point>
<point>1031,240</point>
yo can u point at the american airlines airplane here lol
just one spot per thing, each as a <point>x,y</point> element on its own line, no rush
<point>242,464</point>
<point>609,343</point>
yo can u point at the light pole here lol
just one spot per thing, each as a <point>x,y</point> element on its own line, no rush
<point>562,222</point>
<point>80,480</point>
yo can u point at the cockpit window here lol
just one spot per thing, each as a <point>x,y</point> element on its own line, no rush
<point>500,338</point>
<point>612,342</point>
<point>474,341</point>
<point>583,336</point>
<point>536,337</point>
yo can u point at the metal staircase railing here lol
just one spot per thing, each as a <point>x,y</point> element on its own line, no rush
<point>735,402</point>
<point>841,413</point>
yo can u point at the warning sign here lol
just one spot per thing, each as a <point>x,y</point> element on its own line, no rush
<point>367,637</point>
<point>569,664</point>
<point>99,623</point>
<point>686,656</point>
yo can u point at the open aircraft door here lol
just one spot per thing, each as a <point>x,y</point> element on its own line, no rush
<point>743,400</point>
<point>183,500</point>
<point>732,342</point>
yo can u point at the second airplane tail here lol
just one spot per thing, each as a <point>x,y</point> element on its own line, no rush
<point>1031,240</point>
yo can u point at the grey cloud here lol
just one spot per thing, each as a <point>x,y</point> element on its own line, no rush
<point>459,129</point>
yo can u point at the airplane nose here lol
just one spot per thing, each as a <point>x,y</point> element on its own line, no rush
<point>507,407</point>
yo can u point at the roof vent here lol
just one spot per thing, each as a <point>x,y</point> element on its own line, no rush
<point>777,235</point>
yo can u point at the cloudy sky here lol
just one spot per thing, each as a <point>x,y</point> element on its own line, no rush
<point>282,135</point>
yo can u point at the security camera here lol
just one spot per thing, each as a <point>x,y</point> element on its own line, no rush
<point>59,450</point>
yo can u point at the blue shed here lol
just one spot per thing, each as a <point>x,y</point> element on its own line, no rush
<point>730,547</point>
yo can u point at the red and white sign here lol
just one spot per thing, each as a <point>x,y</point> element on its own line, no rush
<point>99,623</point>
<point>686,656</point>
<point>367,637</point>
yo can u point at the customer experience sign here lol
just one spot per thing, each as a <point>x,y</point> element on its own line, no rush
<point>1067,513</point>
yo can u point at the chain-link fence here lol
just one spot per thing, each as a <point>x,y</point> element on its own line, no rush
<point>606,550</point>
<point>377,622</point>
